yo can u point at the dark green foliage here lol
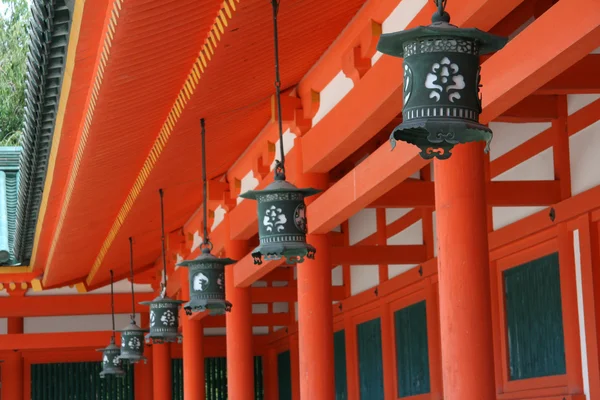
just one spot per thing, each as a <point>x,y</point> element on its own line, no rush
<point>14,18</point>
<point>79,381</point>
<point>412,354</point>
<point>534,319</point>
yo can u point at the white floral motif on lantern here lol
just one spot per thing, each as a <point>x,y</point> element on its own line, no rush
<point>444,77</point>
<point>168,318</point>
<point>152,318</point>
<point>116,361</point>
<point>274,218</point>
<point>200,282</point>
<point>105,359</point>
<point>134,343</point>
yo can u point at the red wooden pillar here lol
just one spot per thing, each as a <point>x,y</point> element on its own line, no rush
<point>315,323</point>
<point>240,352</point>
<point>193,350</point>
<point>162,373</point>
<point>463,269</point>
<point>143,370</point>
<point>12,368</point>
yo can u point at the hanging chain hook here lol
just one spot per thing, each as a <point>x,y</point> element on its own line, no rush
<point>279,165</point>
<point>164,250</point>
<point>440,15</point>
<point>206,244</point>
<point>131,273</point>
<point>112,304</point>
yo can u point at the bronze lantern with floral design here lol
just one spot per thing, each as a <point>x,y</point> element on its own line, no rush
<point>442,100</point>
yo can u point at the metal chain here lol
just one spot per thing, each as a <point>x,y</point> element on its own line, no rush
<point>162,238</point>
<point>206,241</point>
<point>281,166</point>
<point>131,271</point>
<point>112,303</point>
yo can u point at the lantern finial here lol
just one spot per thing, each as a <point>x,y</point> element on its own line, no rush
<point>441,94</point>
<point>206,273</point>
<point>282,213</point>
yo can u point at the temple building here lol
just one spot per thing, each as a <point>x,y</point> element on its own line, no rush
<point>400,216</point>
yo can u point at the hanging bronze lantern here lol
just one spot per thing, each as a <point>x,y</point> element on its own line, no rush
<point>132,343</point>
<point>206,273</point>
<point>132,337</point>
<point>111,363</point>
<point>164,320</point>
<point>207,283</point>
<point>442,101</point>
<point>282,224</point>
<point>164,311</point>
<point>281,221</point>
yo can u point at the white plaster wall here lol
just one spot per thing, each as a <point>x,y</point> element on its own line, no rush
<point>584,148</point>
<point>576,102</point>
<point>248,182</point>
<point>219,217</point>
<point>507,136</point>
<point>411,235</point>
<point>581,315</point>
<point>3,326</point>
<point>337,276</point>
<point>75,323</point>
<point>123,286</point>
<point>288,143</point>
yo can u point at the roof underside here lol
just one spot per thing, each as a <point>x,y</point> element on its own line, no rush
<point>152,52</point>
<point>48,41</point>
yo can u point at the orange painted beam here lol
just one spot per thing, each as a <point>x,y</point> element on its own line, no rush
<point>374,255</point>
<point>243,218</point>
<point>83,304</point>
<point>377,97</point>
<point>368,181</point>
<point>534,108</point>
<point>61,340</point>
<point>523,66</point>
<point>272,319</point>
<point>245,272</point>
<point>581,78</point>
<point>416,193</point>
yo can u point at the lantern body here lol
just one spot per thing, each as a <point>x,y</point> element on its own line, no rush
<point>282,223</point>
<point>442,101</point>
<point>164,320</point>
<point>207,283</point>
<point>111,363</point>
<point>132,343</point>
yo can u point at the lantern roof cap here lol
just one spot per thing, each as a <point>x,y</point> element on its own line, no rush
<point>279,186</point>
<point>393,43</point>
<point>161,299</point>
<point>132,327</point>
<point>111,347</point>
<point>206,257</point>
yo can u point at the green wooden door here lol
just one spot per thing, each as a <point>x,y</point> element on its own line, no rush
<point>534,319</point>
<point>412,354</point>
<point>284,374</point>
<point>370,360</point>
<point>339,356</point>
<point>79,381</point>
<point>215,372</point>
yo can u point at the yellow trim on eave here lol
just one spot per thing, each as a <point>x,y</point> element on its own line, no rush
<point>60,115</point>
<point>87,121</point>
<point>187,90</point>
